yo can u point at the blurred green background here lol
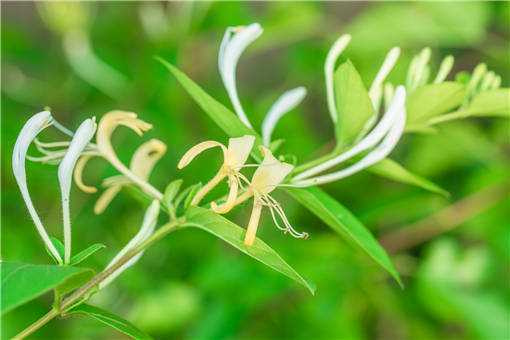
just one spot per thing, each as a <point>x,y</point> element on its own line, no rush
<point>192,285</point>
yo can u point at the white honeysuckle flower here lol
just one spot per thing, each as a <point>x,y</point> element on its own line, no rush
<point>376,155</point>
<point>382,138</point>
<point>268,176</point>
<point>28,133</point>
<point>80,141</point>
<point>143,161</point>
<point>329,70</point>
<point>150,220</point>
<point>376,89</point>
<point>235,156</point>
<point>287,102</point>
<point>444,69</point>
<point>108,123</point>
<point>235,41</point>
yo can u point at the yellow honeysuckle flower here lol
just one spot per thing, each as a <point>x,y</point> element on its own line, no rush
<point>234,155</point>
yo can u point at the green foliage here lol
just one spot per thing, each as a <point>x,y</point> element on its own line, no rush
<point>353,104</point>
<point>22,282</point>
<point>390,169</point>
<point>490,103</point>
<point>345,223</point>
<point>109,319</point>
<point>234,235</point>
<point>82,255</point>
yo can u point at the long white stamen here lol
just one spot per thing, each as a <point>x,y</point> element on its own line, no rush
<point>28,133</point>
<point>81,138</point>
<point>329,71</point>
<point>149,223</point>
<point>273,204</point>
<point>235,41</point>
<point>287,102</point>
<point>369,141</point>
<point>376,155</point>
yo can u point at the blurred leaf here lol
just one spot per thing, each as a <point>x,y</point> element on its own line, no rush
<point>222,116</point>
<point>82,255</point>
<point>111,320</point>
<point>22,282</point>
<point>490,103</point>
<point>171,192</point>
<point>434,99</point>
<point>345,223</point>
<point>390,169</point>
<point>353,104</point>
<point>74,282</point>
<point>234,235</point>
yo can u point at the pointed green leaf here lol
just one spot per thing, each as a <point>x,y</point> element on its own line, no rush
<point>234,235</point>
<point>343,222</point>
<point>432,100</point>
<point>222,116</point>
<point>59,246</point>
<point>390,169</point>
<point>352,102</point>
<point>82,255</point>
<point>490,103</point>
<point>111,320</point>
<point>22,282</point>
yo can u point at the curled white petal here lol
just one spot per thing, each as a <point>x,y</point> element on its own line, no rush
<point>28,133</point>
<point>81,139</point>
<point>379,153</point>
<point>287,102</point>
<point>235,41</point>
<point>270,173</point>
<point>329,70</point>
<point>148,225</point>
<point>369,141</point>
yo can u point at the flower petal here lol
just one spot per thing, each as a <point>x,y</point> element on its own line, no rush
<point>329,70</point>
<point>148,225</point>
<point>78,171</point>
<point>238,151</point>
<point>287,102</point>
<point>376,88</point>
<point>369,141</point>
<point>270,173</point>
<point>146,156</point>
<point>198,149</point>
<point>444,69</point>
<point>28,133</point>
<point>231,199</point>
<point>233,45</point>
<point>106,198</point>
<point>379,153</point>
<point>81,138</point>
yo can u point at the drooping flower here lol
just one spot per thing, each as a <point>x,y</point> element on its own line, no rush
<point>235,41</point>
<point>30,130</point>
<point>143,161</point>
<point>268,176</point>
<point>234,158</point>
<point>150,220</point>
<point>81,139</point>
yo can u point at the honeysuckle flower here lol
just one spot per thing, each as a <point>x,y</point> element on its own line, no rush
<point>268,176</point>
<point>108,123</point>
<point>234,158</point>
<point>381,139</point>
<point>30,130</point>
<point>143,161</point>
<point>81,139</point>
<point>235,41</point>
<point>150,220</point>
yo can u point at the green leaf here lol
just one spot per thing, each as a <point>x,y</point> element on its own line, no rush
<point>82,255</point>
<point>234,235</point>
<point>353,104</point>
<point>390,169</point>
<point>432,100</point>
<point>490,103</point>
<point>345,223</point>
<point>111,320</point>
<point>192,192</point>
<point>60,249</point>
<point>22,282</point>
<point>222,116</point>
<point>171,191</point>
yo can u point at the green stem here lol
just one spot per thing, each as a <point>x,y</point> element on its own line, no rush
<point>98,278</point>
